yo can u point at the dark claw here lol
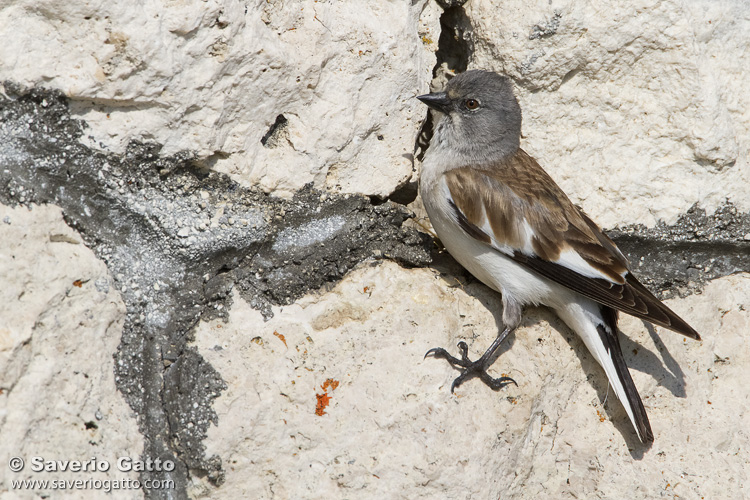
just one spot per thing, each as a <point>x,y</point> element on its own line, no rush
<point>464,354</point>
<point>439,352</point>
<point>496,383</point>
<point>476,369</point>
<point>470,368</point>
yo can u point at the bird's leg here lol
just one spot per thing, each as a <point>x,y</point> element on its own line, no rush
<point>476,368</point>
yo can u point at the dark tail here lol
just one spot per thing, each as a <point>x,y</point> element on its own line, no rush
<point>612,344</point>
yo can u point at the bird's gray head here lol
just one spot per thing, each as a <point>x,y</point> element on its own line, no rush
<point>478,116</point>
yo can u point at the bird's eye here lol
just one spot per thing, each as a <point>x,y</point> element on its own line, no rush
<point>471,104</point>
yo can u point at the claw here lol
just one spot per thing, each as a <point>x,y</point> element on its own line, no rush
<point>439,352</point>
<point>464,353</point>
<point>476,368</point>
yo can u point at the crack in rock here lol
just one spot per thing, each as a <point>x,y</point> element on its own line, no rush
<point>672,260</point>
<point>455,47</point>
<point>679,259</point>
<point>177,239</point>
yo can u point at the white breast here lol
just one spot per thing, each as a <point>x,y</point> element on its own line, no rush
<point>486,263</point>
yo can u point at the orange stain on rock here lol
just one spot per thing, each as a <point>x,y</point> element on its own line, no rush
<point>324,399</point>
<point>333,384</point>
<point>281,337</point>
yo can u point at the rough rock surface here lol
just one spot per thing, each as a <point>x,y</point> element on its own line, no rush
<point>203,152</point>
<point>176,240</point>
<point>278,94</point>
<point>392,428</point>
<point>62,321</point>
<point>638,109</point>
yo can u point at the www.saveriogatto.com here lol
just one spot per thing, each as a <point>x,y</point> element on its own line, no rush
<point>41,473</point>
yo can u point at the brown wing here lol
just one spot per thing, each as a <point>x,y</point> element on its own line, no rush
<point>500,199</point>
<point>505,195</point>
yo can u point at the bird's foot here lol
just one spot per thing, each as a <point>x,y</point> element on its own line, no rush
<point>470,368</point>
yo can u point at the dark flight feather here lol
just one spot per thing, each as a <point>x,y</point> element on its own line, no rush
<point>611,343</point>
<point>516,190</point>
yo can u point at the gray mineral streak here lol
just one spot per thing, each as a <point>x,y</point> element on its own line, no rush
<point>140,213</point>
<point>214,253</point>
<point>316,231</point>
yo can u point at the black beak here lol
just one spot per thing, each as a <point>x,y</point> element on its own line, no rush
<point>437,100</point>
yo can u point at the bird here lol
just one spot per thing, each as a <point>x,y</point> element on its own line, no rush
<point>504,219</point>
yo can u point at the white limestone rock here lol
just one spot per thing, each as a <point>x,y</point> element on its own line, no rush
<point>392,428</point>
<point>638,109</point>
<point>62,321</point>
<point>214,76</point>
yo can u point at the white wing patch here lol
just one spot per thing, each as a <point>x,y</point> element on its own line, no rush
<point>569,258</point>
<point>572,260</point>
